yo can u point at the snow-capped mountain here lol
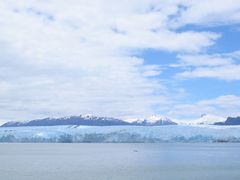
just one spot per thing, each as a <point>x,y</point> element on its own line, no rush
<point>87,120</point>
<point>205,119</point>
<point>155,121</point>
<point>90,120</point>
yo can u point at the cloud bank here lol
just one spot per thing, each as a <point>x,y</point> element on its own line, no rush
<point>70,57</point>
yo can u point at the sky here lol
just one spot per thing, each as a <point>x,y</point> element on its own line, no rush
<point>124,59</point>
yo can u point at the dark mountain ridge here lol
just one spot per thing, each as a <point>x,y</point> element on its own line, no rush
<point>87,120</point>
<point>230,121</point>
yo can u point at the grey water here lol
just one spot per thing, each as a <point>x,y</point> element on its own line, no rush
<point>164,161</point>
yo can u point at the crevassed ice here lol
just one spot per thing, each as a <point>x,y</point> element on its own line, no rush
<point>116,134</point>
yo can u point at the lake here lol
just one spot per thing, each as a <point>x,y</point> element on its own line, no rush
<point>108,161</point>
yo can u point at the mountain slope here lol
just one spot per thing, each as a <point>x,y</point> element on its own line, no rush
<point>230,121</point>
<point>89,120</point>
<point>154,121</point>
<point>206,119</point>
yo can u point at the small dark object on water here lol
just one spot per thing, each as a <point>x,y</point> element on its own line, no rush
<point>135,150</point>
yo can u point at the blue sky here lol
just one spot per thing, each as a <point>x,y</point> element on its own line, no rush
<point>124,59</point>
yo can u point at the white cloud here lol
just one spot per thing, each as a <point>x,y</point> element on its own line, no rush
<point>208,13</point>
<point>228,73</point>
<point>64,58</point>
<point>68,57</point>
<point>224,106</point>
<point>220,66</point>
<point>204,60</point>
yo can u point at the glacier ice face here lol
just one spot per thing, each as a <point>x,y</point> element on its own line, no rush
<point>119,134</point>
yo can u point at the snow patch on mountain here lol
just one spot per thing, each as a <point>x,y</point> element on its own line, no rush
<point>153,121</point>
<point>208,119</point>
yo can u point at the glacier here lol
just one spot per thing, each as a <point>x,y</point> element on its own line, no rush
<point>121,134</point>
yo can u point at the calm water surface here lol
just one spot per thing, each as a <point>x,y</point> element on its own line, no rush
<point>120,161</point>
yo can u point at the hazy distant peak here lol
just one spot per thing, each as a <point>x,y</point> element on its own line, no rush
<point>208,119</point>
<point>155,118</point>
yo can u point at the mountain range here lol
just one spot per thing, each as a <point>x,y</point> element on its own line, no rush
<point>89,120</point>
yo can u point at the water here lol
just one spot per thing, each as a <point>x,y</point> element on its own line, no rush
<point>120,161</point>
